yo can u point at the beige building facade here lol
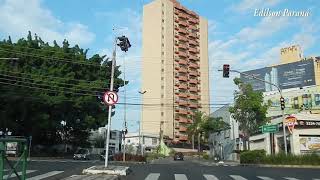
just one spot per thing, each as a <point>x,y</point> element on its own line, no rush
<point>175,71</point>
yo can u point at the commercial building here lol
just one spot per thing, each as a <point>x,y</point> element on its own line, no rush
<point>175,68</point>
<point>148,142</point>
<point>299,80</point>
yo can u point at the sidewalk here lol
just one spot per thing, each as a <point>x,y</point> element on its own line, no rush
<point>93,177</point>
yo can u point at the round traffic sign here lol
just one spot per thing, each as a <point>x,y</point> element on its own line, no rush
<point>110,97</point>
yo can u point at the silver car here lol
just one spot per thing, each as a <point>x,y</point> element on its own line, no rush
<point>82,154</point>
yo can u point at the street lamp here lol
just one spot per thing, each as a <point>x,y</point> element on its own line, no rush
<point>140,145</point>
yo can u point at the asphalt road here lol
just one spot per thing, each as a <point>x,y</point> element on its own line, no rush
<point>54,169</point>
<point>167,169</point>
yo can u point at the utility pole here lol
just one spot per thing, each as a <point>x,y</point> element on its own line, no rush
<point>281,97</point>
<point>161,131</point>
<point>124,45</point>
<point>140,124</point>
<point>125,112</point>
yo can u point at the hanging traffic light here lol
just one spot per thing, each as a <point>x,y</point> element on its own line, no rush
<point>226,70</point>
<point>124,43</point>
<point>282,103</point>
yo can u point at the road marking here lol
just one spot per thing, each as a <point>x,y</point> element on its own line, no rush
<point>180,177</point>
<point>61,161</point>
<point>19,173</point>
<point>290,178</point>
<point>236,177</point>
<point>210,177</point>
<point>153,176</point>
<point>43,176</point>
<point>265,178</point>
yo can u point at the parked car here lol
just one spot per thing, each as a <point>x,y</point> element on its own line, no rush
<point>82,154</point>
<point>178,156</point>
<point>103,154</point>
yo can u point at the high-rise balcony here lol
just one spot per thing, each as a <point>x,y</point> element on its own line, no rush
<point>193,20</point>
<point>193,81</point>
<point>183,138</point>
<point>183,86</point>
<point>182,38</point>
<point>182,102</point>
<point>182,23</point>
<point>194,50</point>
<point>182,129</point>
<point>193,73</point>
<point>182,70</point>
<point>193,42</point>
<point>193,35</point>
<point>182,46</point>
<point>183,95</point>
<point>193,105</point>
<point>183,120</point>
<point>182,15</point>
<point>183,78</point>
<point>182,54</point>
<point>193,27</point>
<point>194,57</point>
<point>191,113</point>
<point>183,31</point>
<point>183,62</point>
<point>193,89</point>
<point>193,97</point>
<point>183,111</point>
<point>193,65</point>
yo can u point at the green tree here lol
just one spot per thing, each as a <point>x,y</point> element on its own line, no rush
<point>49,84</point>
<point>195,128</point>
<point>214,124</point>
<point>249,109</point>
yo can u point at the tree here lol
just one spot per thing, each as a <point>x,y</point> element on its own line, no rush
<point>49,84</point>
<point>214,124</point>
<point>249,109</point>
<point>195,129</point>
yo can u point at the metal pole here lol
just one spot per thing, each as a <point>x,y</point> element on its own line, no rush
<point>280,91</point>
<point>125,111</point>
<point>110,107</point>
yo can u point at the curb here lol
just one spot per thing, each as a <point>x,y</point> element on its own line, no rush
<point>118,170</point>
<point>282,166</point>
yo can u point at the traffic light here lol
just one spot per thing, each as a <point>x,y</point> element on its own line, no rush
<point>226,70</point>
<point>124,43</point>
<point>282,104</point>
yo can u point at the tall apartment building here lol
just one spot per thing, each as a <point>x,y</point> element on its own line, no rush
<point>174,68</point>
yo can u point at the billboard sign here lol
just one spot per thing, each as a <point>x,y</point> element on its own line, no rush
<point>286,76</point>
<point>309,143</point>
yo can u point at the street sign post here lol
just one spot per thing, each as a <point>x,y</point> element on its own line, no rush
<point>110,98</point>
<point>269,128</point>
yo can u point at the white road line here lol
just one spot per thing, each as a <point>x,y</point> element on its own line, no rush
<point>153,176</point>
<point>264,178</point>
<point>19,173</point>
<point>237,177</point>
<point>290,178</point>
<point>43,176</point>
<point>180,177</point>
<point>210,177</point>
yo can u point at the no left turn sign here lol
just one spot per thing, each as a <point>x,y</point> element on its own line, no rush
<point>110,97</point>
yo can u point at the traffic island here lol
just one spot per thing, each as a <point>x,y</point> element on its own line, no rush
<point>110,170</point>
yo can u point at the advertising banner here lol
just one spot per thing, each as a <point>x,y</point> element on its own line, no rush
<point>309,143</point>
<point>286,76</point>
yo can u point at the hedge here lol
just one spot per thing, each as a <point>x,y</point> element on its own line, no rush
<point>260,157</point>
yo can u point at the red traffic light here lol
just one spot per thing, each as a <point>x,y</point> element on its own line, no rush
<point>226,70</point>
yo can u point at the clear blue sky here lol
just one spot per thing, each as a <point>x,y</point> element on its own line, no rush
<point>236,36</point>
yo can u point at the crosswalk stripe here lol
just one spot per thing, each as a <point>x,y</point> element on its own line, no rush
<point>237,177</point>
<point>290,178</point>
<point>19,173</point>
<point>43,176</point>
<point>153,176</point>
<point>210,177</point>
<point>264,178</point>
<point>180,177</point>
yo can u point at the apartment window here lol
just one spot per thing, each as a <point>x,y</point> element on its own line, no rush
<point>162,45</point>
<point>162,78</point>
<point>162,87</point>
<point>162,53</point>
<point>162,28</point>
<point>162,113</point>
<point>154,141</point>
<point>162,70</point>
<point>162,61</point>
<point>162,5</point>
<point>163,20</point>
<point>162,36</point>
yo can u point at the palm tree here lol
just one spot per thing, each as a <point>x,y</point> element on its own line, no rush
<point>195,128</point>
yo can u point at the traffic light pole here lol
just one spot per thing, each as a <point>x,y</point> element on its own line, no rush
<point>110,106</point>
<point>282,109</point>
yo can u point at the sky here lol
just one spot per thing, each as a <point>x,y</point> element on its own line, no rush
<point>236,36</point>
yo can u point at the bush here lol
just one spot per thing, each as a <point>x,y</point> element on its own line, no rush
<point>252,157</point>
<point>205,156</point>
<point>290,159</point>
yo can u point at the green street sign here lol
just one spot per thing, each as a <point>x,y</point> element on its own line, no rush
<point>269,128</point>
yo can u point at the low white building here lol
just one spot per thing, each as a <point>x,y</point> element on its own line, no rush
<point>100,135</point>
<point>305,137</point>
<point>148,141</point>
